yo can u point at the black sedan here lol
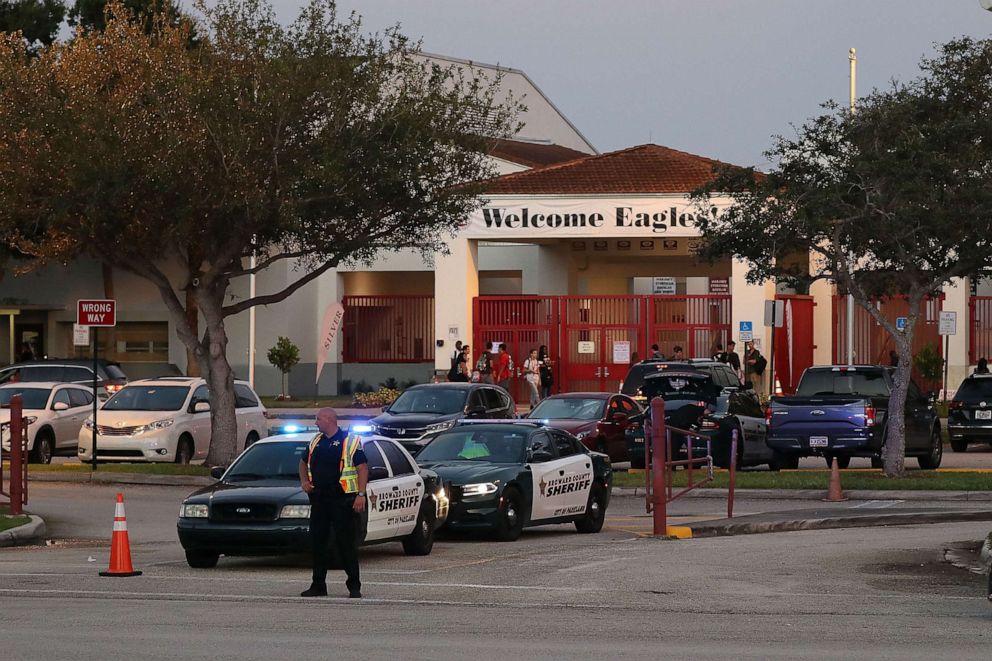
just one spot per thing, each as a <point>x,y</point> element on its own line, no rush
<point>421,411</point>
<point>504,477</point>
<point>258,508</point>
<point>969,414</point>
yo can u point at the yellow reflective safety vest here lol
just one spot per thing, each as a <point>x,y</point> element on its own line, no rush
<point>349,473</point>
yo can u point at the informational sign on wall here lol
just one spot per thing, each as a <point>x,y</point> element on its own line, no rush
<point>948,324</point>
<point>664,286</point>
<point>587,347</point>
<point>719,285</point>
<point>80,335</point>
<point>621,352</point>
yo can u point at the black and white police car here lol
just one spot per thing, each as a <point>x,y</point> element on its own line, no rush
<point>258,508</point>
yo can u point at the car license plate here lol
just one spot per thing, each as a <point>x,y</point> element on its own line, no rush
<point>818,441</point>
<point>983,415</point>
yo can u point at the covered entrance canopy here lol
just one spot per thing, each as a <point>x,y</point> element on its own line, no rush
<point>614,272</point>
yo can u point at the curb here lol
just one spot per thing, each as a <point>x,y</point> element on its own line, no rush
<point>818,494</point>
<point>123,478</point>
<point>28,533</point>
<point>826,523</point>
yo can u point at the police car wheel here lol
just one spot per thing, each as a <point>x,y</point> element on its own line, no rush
<point>595,514</point>
<point>511,516</point>
<point>421,540</point>
<point>202,559</point>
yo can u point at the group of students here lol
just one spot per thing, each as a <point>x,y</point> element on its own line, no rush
<point>754,363</point>
<point>495,365</point>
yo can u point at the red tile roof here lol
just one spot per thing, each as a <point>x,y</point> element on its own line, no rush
<point>534,154</point>
<point>641,169</point>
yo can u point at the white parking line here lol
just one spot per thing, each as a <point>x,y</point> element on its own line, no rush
<point>590,565</point>
<point>876,504</point>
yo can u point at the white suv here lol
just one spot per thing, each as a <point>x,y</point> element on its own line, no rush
<point>166,419</point>
<point>54,412</point>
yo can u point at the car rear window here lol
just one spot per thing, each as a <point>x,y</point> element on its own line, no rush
<point>973,391</point>
<point>681,386</point>
<point>867,383</point>
<point>635,378</point>
<point>115,373</point>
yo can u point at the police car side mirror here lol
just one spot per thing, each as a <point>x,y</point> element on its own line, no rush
<point>217,472</point>
<point>378,473</point>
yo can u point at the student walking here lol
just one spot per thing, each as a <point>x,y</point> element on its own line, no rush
<point>532,374</point>
<point>547,374</point>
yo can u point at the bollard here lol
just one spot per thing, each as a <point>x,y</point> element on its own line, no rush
<point>659,466</point>
<point>17,457</point>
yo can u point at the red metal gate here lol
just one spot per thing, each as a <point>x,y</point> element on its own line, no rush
<point>523,323</point>
<point>979,328</point>
<point>794,341</point>
<point>872,342</point>
<point>593,340</point>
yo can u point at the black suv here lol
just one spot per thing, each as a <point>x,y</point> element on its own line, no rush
<point>706,397</point>
<point>424,410</point>
<point>969,415</point>
<point>633,383</point>
<point>110,376</point>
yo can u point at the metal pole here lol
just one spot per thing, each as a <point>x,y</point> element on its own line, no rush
<point>852,57</point>
<point>771,351</point>
<point>733,474</point>
<point>251,318</point>
<point>96,399</point>
<point>947,346</point>
<point>17,457</point>
<point>659,466</point>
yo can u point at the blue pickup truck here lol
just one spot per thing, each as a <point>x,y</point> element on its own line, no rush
<point>842,411</point>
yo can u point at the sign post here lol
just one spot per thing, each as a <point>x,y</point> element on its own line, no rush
<point>774,317</point>
<point>96,313</point>
<point>947,326</point>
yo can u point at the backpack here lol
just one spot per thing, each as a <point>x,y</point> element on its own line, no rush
<point>482,366</point>
<point>760,364</point>
<point>509,365</point>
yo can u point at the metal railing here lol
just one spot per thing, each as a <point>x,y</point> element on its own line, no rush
<point>659,480</point>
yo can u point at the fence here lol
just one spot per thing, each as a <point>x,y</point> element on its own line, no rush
<point>388,329</point>
<point>979,328</point>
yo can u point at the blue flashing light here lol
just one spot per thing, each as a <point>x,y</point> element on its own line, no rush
<point>361,429</point>
<point>291,429</point>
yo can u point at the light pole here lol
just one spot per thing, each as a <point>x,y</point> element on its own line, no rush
<point>852,57</point>
<point>251,317</point>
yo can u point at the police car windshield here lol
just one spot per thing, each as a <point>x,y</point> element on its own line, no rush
<point>467,444</point>
<point>442,401</point>
<point>148,398</point>
<point>572,408</point>
<point>31,398</point>
<point>269,461</point>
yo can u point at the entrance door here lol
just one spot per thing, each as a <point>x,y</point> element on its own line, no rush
<point>29,342</point>
<point>522,323</point>
<point>603,336</point>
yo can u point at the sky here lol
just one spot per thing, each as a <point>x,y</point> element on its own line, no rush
<point>717,78</point>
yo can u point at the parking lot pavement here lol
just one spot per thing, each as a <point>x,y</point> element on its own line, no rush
<point>882,593</point>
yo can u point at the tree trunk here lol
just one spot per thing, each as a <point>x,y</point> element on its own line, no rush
<point>220,378</point>
<point>894,458</point>
<point>193,319</point>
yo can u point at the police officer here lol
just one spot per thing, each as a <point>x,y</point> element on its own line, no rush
<point>334,474</point>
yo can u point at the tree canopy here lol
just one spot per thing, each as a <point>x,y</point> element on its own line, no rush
<point>892,200</point>
<point>310,144</point>
<point>37,20</point>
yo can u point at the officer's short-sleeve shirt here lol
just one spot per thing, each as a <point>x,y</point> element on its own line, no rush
<point>325,463</point>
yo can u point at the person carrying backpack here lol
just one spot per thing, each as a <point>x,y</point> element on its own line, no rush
<point>484,366</point>
<point>756,367</point>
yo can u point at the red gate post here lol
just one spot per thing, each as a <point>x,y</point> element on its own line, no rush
<point>659,465</point>
<point>16,454</point>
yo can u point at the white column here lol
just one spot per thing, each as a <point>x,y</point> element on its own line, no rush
<point>456,283</point>
<point>956,300</point>
<point>747,304</point>
<point>822,292</point>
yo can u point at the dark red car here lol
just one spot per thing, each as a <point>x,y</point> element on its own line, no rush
<point>598,419</point>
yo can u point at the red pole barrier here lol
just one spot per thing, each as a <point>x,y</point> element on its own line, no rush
<point>16,454</point>
<point>733,474</point>
<point>659,466</point>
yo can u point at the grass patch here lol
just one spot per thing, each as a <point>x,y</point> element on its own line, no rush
<point>340,402</point>
<point>145,469</point>
<point>8,521</point>
<point>915,480</point>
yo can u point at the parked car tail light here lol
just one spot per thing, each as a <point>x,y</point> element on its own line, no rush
<point>955,404</point>
<point>870,416</point>
<point>113,388</point>
<point>768,417</point>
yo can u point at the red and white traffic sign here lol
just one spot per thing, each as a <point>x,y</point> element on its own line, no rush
<point>96,312</point>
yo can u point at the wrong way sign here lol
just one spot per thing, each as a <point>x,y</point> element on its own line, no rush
<point>96,312</point>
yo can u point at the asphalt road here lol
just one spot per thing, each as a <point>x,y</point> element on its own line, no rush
<point>864,593</point>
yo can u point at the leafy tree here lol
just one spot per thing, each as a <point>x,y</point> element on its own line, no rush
<point>311,145</point>
<point>284,356</point>
<point>891,201</point>
<point>37,20</point>
<point>929,363</point>
<point>91,14</point>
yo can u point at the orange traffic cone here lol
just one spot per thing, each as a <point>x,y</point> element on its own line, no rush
<point>834,493</point>
<point>120,547</point>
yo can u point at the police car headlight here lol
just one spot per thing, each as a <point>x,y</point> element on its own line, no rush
<point>480,489</point>
<point>295,512</point>
<point>439,426</point>
<point>189,511</point>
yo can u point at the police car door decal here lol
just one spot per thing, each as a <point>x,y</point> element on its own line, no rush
<point>561,487</point>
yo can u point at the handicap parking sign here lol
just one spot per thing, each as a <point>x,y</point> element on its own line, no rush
<point>901,324</point>
<point>747,331</point>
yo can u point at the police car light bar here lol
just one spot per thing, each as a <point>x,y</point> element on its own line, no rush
<point>360,429</point>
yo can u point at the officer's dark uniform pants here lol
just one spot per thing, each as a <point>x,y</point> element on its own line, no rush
<point>335,513</point>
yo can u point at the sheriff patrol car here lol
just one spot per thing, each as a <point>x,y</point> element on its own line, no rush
<point>504,476</point>
<point>258,508</point>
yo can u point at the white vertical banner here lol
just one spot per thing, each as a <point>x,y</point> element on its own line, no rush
<point>333,316</point>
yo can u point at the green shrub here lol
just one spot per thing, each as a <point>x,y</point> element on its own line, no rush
<point>284,356</point>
